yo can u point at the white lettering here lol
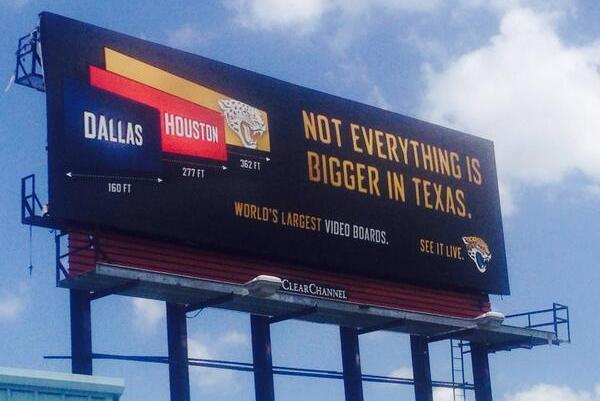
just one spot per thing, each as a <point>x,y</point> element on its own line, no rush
<point>188,128</point>
<point>313,289</point>
<point>102,128</point>
<point>169,124</point>
<point>139,139</point>
<point>89,125</point>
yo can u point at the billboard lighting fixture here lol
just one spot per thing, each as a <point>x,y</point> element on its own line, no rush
<point>490,319</point>
<point>263,286</point>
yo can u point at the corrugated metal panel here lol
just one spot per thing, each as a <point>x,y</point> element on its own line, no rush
<point>35,385</point>
<point>192,262</point>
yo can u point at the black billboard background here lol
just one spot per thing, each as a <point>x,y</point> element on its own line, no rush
<point>200,212</point>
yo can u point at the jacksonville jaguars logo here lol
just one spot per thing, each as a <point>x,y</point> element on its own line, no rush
<point>245,121</point>
<point>478,251</point>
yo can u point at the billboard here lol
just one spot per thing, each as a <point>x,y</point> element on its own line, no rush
<point>156,142</point>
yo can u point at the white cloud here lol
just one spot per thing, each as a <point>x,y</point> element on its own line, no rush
<point>539,392</point>
<point>148,313</point>
<point>209,380</point>
<point>12,303</point>
<point>234,339</point>
<point>443,394</point>
<point>403,372</point>
<point>592,191</point>
<point>272,14</point>
<point>187,36</point>
<point>507,197</point>
<point>363,6</point>
<point>215,381</point>
<point>198,350</point>
<point>502,6</point>
<point>307,15</point>
<point>534,95</point>
<point>356,74</point>
<point>548,392</point>
<point>427,47</point>
<point>14,3</point>
<point>11,306</point>
<point>376,98</point>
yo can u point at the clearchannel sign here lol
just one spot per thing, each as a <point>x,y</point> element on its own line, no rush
<point>152,141</point>
<point>313,289</point>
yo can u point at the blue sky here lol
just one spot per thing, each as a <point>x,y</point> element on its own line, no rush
<point>525,74</point>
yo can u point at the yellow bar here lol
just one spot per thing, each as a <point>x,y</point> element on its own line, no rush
<point>147,74</point>
<point>172,84</point>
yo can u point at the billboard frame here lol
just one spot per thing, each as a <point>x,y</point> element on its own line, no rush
<point>183,294</point>
<point>436,275</point>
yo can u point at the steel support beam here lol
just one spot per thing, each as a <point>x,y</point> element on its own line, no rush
<point>114,290</point>
<point>294,315</point>
<point>209,302</point>
<point>456,334</point>
<point>179,377</point>
<point>351,364</point>
<point>393,324</point>
<point>481,372</point>
<point>419,347</point>
<point>81,332</point>
<point>264,388</point>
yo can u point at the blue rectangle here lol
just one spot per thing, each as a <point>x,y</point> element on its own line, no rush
<point>107,133</point>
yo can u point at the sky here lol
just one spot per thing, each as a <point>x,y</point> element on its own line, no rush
<point>525,74</point>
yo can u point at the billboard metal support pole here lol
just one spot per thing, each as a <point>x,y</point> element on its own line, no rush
<point>351,364</point>
<point>419,347</point>
<point>81,332</point>
<point>179,378</point>
<point>264,388</point>
<point>481,372</point>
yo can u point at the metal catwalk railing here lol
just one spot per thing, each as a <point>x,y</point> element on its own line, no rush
<point>556,317</point>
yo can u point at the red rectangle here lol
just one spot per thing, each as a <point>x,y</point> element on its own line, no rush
<point>162,257</point>
<point>186,128</point>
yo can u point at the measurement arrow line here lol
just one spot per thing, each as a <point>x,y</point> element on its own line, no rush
<point>218,166</point>
<point>71,174</point>
<point>249,155</point>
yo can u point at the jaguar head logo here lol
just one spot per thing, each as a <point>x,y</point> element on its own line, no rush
<point>478,251</point>
<point>245,120</point>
